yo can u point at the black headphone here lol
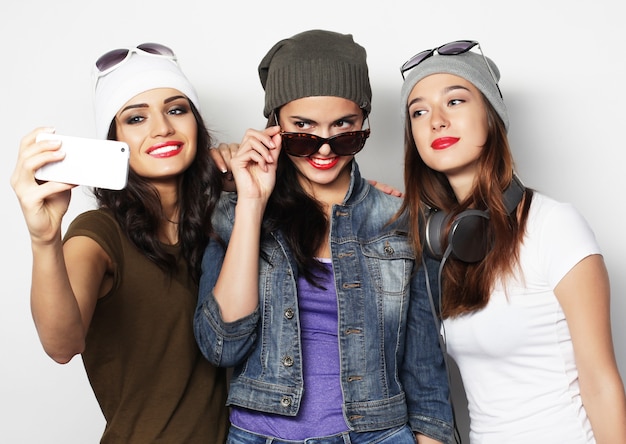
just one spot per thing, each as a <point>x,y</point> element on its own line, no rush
<point>468,240</point>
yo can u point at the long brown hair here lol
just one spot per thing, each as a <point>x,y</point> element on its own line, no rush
<point>466,287</point>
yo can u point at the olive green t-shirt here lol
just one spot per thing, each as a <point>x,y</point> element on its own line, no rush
<point>149,377</point>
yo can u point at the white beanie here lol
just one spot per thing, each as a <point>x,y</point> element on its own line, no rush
<point>138,73</point>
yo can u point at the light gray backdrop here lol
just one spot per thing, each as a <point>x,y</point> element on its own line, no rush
<point>563,80</point>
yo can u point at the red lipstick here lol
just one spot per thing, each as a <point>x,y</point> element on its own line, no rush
<point>444,142</point>
<point>166,149</point>
<point>322,164</point>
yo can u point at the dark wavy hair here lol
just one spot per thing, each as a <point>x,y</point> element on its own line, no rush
<point>301,219</point>
<point>467,287</point>
<point>137,208</point>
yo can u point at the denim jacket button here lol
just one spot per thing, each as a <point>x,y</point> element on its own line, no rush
<point>289,313</point>
<point>389,251</point>
<point>285,401</point>
<point>287,361</point>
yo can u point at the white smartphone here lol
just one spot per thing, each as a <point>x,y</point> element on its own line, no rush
<point>90,162</point>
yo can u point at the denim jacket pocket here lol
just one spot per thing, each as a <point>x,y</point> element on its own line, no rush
<point>390,260</point>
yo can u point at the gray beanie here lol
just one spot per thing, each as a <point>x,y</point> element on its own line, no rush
<point>468,65</point>
<point>315,63</point>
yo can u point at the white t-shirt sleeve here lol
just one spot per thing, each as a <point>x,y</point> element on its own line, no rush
<point>564,237</point>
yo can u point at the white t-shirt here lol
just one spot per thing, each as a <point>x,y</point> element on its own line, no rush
<point>515,356</point>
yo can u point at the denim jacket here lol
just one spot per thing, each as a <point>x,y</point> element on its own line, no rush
<point>392,368</point>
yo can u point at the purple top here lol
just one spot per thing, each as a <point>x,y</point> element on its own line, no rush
<point>320,413</point>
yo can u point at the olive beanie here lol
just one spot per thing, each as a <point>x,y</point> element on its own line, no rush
<point>315,63</point>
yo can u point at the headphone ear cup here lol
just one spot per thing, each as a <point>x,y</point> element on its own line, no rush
<point>435,223</point>
<point>468,239</point>
<point>469,236</point>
